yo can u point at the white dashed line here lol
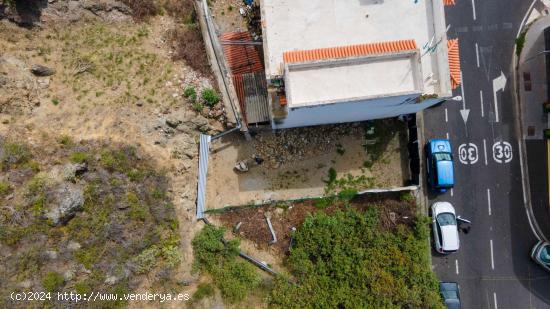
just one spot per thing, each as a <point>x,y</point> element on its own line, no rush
<point>492,259</point>
<point>495,299</point>
<point>477,55</point>
<point>447,135</point>
<point>485,150</point>
<point>456,264</point>
<point>446,116</point>
<point>489,200</point>
<point>452,192</point>
<point>481,100</point>
<point>474,9</point>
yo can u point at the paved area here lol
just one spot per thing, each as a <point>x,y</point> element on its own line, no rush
<point>537,156</point>
<point>492,267</point>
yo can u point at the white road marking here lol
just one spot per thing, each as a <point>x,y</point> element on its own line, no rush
<point>474,9</point>
<point>447,135</point>
<point>492,259</point>
<point>522,176</point>
<point>499,83</point>
<point>489,200</point>
<point>477,55</point>
<point>456,264</point>
<point>452,192</point>
<point>495,299</point>
<point>485,150</point>
<point>481,100</point>
<point>447,116</point>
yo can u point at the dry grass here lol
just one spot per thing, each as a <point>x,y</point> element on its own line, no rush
<point>189,46</point>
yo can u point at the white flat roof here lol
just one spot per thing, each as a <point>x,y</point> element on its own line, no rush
<point>290,25</point>
<point>312,84</point>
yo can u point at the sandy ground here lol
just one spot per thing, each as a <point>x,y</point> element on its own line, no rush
<point>90,116</point>
<point>294,180</point>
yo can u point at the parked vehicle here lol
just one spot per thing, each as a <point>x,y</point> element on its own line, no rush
<point>541,254</point>
<point>451,294</point>
<point>439,165</point>
<point>445,228</point>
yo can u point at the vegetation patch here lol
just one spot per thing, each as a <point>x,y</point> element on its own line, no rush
<point>345,260</point>
<point>126,227</point>
<point>234,278</point>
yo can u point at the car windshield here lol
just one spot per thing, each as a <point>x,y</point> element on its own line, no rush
<point>442,156</point>
<point>449,295</point>
<point>545,254</point>
<point>446,218</point>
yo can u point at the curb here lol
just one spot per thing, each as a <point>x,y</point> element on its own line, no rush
<point>519,131</point>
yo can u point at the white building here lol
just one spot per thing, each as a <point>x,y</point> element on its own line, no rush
<point>332,61</point>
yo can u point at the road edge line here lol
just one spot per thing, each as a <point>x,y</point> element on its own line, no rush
<point>519,131</point>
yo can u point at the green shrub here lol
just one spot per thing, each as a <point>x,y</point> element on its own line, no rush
<point>79,157</point>
<point>210,97</point>
<point>5,188</point>
<point>406,197</point>
<point>233,277</point>
<point>14,155</point>
<point>53,281</point>
<point>331,176</point>
<point>520,42</point>
<point>82,288</point>
<point>138,209</point>
<point>346,260</point>
<point>117,160</point>
<point>146,260</point>
<point>198,107</point>
<point>190,93</point>
<point>55,101</point>
<point>65,140</point>
<point>204,290</point>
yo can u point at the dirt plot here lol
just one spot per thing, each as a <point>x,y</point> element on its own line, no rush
<point>297,161</point>
<point>395,208</point>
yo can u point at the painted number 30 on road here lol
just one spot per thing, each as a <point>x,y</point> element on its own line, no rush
<point>502,152</point>
<point>467,153</point>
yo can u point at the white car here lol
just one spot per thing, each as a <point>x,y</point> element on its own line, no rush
<point>445,228</point>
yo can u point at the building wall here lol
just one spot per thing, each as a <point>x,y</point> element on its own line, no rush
<point>353,111</point>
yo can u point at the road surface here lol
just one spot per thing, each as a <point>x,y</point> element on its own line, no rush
<point>492,267</point>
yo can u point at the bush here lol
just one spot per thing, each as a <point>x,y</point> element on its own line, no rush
<point>345,260</point>
<point>53,281</point>
<point>79,157</point>
<point>14,155</point>
<point>234,278</point>
<point>4,188</point>
<point>203,290</point>
<point>146,260</point>
<point>188,45</point>
<point>142,9</point>
<point>520,41</point>
<point>190,93</point>
<point>210,97</point>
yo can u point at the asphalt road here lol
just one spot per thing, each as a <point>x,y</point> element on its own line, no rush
<point>492,267</point>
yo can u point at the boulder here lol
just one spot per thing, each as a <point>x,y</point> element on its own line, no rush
<point>40,70</point>
<point>67,201</point>
<point>73,246</point>
<point>70,171</point>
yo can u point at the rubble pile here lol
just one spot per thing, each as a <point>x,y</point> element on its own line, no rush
<point>296,144</point>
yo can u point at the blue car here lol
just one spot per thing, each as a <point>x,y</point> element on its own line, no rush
<point>439,165</point>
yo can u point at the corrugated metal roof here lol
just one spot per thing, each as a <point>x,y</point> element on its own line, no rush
<point>255,95</point>
<point>454,63</point>
<point>449,2</point>
<point>204,145</point>
<point>239,89</point>
<point>241,58</point>
<point>348,51</point>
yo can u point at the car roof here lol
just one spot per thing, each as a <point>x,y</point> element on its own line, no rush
<point>449,238</point>
<point>445,173</point>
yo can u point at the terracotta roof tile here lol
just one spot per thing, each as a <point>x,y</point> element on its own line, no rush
<point>449,2</point>
<point>241,58</point>
<point>348,51</point>
<point>454,63</point>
